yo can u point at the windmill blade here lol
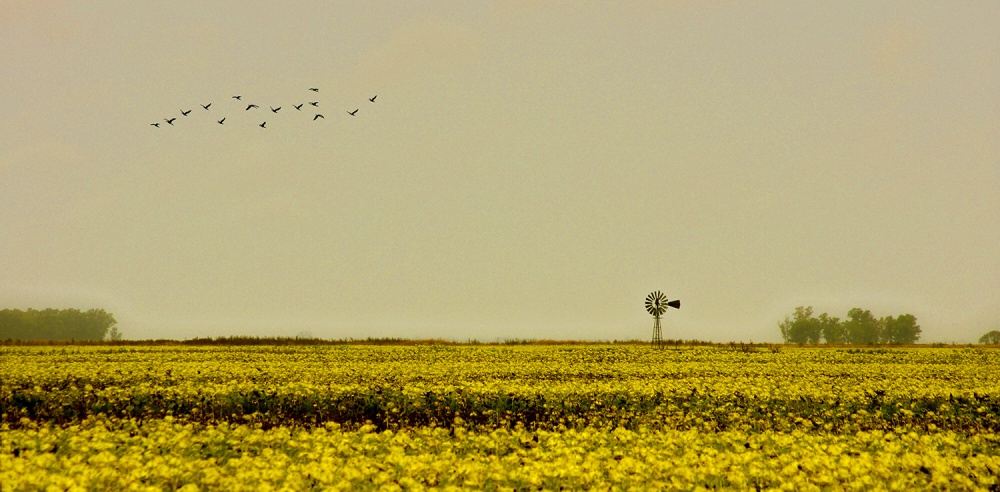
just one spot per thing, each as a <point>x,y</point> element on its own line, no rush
<point>657,304</point>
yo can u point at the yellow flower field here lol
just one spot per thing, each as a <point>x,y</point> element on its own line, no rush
<point>497,417</point>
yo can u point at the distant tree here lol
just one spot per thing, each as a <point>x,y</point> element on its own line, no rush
<point>901,329</point>
<point>861,327</point>
<point>114,334</point>
<point>13,325</point>
<point>831,328</point>
<point>97,322</point>
<point>992,337</point>
<point>55,324</point>
<point>786,328</point>
<point>802,327</point>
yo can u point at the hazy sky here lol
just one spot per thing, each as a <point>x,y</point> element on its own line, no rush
<point>528,170</point>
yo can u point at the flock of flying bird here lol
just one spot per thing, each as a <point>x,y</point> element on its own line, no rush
<point>263,124</point>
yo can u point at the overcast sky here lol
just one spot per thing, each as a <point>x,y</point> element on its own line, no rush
<point>528,169</point>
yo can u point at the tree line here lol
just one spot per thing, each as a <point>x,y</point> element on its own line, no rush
<point>57,324</point>
<point>860,327</point>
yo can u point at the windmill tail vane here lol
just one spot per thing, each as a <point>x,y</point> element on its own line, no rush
<point>657,304</point>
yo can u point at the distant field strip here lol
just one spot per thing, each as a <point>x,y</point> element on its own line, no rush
<point>537,387</point>
<point>516,416</point>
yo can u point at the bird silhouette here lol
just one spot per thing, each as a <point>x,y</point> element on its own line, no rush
<point>314,89</point>
<point>314,103</point>
<point>252,106</point>
<point>206,106</point>
<point>352,113</point>
<point>318,116</point>
<point>298,107</point>
<point>220,121</point>
<point>155,124</point>
<point>372,99</point>
<point>262,125</point>
<point>170,121</point>
<point>185,113</point>
<point>238,97</point>
<point>275,110</point>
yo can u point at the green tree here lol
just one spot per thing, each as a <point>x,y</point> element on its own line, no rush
<point>831,328</point>
<point>114,334</point>
<point>55,324</point>
<point>802,327</point>
<point>861,327</point>
<point>96,323</point>
<point>992,337</point>
<point>902,329</point>
<point>13,325</point>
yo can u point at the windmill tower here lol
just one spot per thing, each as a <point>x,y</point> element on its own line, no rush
<point>656,304</point>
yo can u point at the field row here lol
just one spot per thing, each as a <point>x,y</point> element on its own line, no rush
<point>487,387</point>
<point>101,454</point>
<point>532,408</point>
<point>792,373</point>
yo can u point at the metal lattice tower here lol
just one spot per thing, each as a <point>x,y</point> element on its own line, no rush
<point>656,304</point>
<point>657,335</point>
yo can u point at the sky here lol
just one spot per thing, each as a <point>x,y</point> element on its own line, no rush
<point>527,170</point>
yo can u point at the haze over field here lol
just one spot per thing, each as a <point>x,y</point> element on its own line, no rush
<point>527,169</point>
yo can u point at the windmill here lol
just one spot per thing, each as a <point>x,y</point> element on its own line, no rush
<point>656,304</point>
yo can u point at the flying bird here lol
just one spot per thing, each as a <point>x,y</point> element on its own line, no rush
<point>275,110</point>
<point>206,106</point>
<point>155,124</point>
<point>170,121</point>
<point>314,103</point>
<point>252,106</point>
<point>185,113</point>
<point>352,113</point>
<point>220,121</point>
<point>298,107</point>
<point>318,116</point>
<point>237,97</point>
<point>372,99</point>
<point>262,125</point>
<point>314,89</point>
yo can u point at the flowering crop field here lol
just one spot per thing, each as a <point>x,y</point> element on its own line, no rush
<point>497,417</point>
